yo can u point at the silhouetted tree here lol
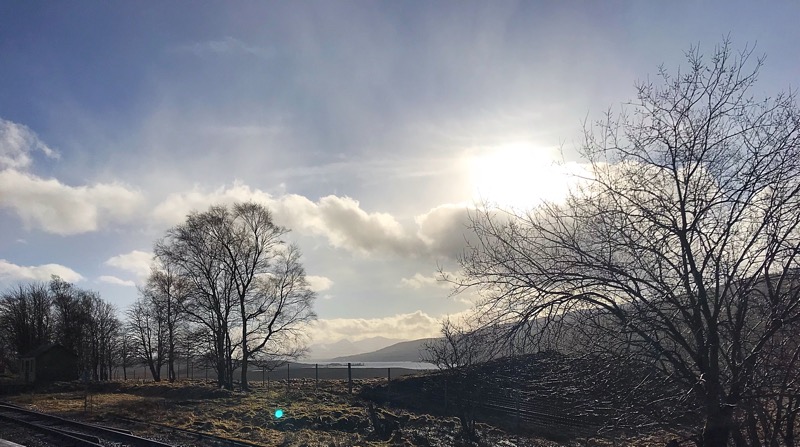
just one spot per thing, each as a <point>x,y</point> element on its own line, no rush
<point>148,325</point>
<point>457,353</point>
<point>682,240</point>
<point>166,294</point>
<point>25,317</point>
<point>244,285</point>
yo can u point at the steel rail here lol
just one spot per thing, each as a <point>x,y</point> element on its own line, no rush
<point>70,438</point>
<point>224,441</point>
<point>116,435</point>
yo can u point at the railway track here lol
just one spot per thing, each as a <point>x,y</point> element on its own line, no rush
<point>206,438</point>
<point>69,433</point>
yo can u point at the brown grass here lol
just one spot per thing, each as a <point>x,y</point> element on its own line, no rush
<point>328,417</point>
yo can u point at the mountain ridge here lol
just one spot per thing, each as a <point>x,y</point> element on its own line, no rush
<point>404,351</point>
<point>345,347</point>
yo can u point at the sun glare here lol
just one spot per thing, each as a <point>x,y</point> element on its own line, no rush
<point>518,175</point>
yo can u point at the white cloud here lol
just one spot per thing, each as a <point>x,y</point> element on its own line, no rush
<point>176,206</point>
<point>339,219</point>
<point>346,225</point>
<point>13,272</point>
<point>16,144</point>
<point>319,283</point>
<point>51,206</point>
<point>439,232</point>
<point>405,326</point>
<point>137,262</point>
<point>114,280</point>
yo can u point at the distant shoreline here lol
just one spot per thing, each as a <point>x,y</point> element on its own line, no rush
<point>336,373</point>
<point>364,364</point>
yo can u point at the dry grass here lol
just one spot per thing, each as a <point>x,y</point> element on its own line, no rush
<point>328,417</point>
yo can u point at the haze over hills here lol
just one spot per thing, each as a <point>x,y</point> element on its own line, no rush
<point>407,351</point>
<point>344,347</point>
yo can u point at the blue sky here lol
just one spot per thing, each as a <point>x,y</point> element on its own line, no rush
<point>369,128</point>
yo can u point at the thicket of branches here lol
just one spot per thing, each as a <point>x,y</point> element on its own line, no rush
<point>678,252</point>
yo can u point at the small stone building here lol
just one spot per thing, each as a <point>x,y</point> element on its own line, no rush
<point>48,363</point>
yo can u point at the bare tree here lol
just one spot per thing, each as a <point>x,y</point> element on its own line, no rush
<point>103,327</point>
<point>126,349</point>
<point>194,249</point>
<point>25,317</point>
<point>682,241</point>
<point>167,292</point>
<point>74,321</point>
<point>249,240</point>
<point>242,286</point>
<point>457,353</point>
<point>150,329</point>
<point>279,309</point>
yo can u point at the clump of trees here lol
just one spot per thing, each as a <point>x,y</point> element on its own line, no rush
<point>226,276</point>
<point>679,252</point>
<point>224,287</point>
<point>35,314</point>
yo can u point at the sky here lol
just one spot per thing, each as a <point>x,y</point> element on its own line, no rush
<point>370,129</point>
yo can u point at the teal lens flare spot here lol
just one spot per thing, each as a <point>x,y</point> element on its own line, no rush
<point>278,413</point>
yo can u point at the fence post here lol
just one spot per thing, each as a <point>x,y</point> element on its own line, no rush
<point>349,379</point>
<point>287,378</point>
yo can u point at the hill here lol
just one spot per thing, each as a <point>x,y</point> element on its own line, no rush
<point>326,351</point>
<point>407,351</point>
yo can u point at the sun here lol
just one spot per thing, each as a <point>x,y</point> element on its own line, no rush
<point>517,175</point>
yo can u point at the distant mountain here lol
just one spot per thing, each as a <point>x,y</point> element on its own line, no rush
<point>327,351</point>
<point>407,351</point>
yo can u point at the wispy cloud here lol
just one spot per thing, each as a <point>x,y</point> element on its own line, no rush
<point>114,280</point>
<point>226,45</point>
<point>418,281</point>
<point>17,142</point>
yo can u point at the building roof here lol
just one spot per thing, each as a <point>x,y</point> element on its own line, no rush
<point>42,349</point>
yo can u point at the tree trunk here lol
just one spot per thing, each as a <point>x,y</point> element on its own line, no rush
<point>245,386</point>
<point>717,429</point>
<point>171,359</point>
<point>221,366</point>
<point>154,371</point>
<point>245,355</point>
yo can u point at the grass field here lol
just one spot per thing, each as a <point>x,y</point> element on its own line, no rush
<point>329,416</point>
<point>326,416</point>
